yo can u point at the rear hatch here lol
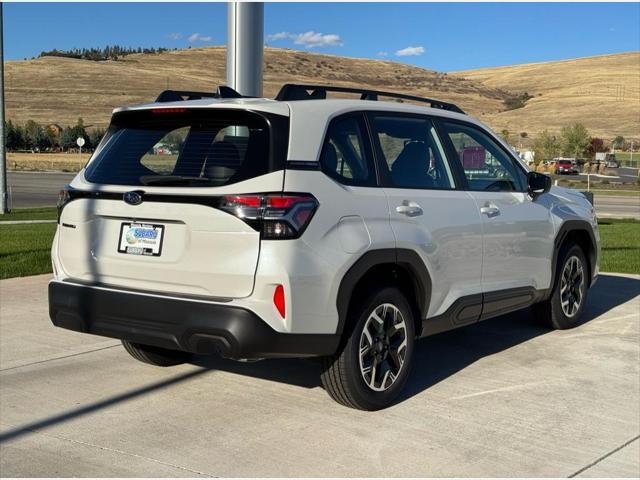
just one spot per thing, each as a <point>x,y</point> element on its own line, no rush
<point>154,209</point>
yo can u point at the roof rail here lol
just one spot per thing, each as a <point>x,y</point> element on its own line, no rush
<point>292,91</point>
<point>182,95</point>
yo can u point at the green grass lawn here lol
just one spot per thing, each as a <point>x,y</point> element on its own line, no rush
<point>620,243</point>
<point>625,158</point>
<point>45,213</point>
<point>25,249</point>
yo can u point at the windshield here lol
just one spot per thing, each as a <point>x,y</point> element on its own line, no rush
<point>176,146</point>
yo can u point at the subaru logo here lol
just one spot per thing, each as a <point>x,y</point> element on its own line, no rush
<point>132,198</point>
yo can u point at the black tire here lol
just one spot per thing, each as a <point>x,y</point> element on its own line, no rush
<point>551,311</point>
<point>160,357</point>
<point>342,376</point>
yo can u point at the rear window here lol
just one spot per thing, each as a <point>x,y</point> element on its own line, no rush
<point>180,147</point>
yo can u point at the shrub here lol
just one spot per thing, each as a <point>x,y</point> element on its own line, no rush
<point>517,101</point>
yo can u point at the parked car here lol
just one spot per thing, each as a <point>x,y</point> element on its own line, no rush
<point>609,159</point>
<point>312,227</point>
<point>565,167</point>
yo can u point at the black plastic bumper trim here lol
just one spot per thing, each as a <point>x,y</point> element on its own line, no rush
<point>178,324</point>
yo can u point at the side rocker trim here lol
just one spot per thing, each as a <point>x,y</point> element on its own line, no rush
<point>473,308</point>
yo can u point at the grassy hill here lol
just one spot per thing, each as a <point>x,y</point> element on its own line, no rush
<point>54,89</point>
<point>602,92</point>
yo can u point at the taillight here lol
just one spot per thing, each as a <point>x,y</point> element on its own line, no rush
<point>64,197</point>
<point>278,216</point>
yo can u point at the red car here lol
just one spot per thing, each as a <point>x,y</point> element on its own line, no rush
<point>566,167</point>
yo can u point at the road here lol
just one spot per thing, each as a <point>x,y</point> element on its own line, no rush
<point>609,206</point>
<point>41,189</point>
<point>502,398</point>
<point>35,189</point>
<point>622,174</point>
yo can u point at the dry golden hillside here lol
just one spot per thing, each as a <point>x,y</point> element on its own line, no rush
<point>602,92</point>
<point>53,89</point>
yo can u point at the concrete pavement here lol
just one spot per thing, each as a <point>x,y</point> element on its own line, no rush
<point>504,397</point>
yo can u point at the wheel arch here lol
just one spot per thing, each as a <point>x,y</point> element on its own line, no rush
<point>581,233</point>
<point>402,268</point>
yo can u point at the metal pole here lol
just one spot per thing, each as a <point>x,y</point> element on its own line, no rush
<point>245,46</point>
<point>4,197</point>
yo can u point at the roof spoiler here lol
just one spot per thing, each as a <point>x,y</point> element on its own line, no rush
<point>183,95</point>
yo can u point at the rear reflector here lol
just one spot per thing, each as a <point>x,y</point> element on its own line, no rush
<point>278,300</point>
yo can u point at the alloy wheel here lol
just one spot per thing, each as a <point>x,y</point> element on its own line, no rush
<point>383,347</point>
<point>572,286</point>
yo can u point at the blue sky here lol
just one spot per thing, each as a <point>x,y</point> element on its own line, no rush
<point>440,36</point>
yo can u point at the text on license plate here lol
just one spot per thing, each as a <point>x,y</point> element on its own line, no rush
<point>141,239</point>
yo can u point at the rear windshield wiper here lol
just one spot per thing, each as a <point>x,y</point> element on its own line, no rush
<point>171,180</point>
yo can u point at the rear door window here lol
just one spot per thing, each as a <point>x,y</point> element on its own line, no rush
<point>188,148</point>
<point>411,152</point>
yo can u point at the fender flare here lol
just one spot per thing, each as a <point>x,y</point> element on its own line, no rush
<point>404,258</point>
<point>565,229</point>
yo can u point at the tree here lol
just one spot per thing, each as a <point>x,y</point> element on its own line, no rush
<point>505,134</point>
<point>35,135</point>
<point>517,101</point>
<point>70,135</point>
<point>523,135</point>
<point>95,136</point>
<point>14,136</point>
<point>596,145</point>
<point>53,137</point>
<point>67,138</point>
<point>618,142</point>
<point>546,146</point>
<point>575,140</point>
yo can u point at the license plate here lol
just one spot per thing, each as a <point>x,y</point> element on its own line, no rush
<point>141,239</point>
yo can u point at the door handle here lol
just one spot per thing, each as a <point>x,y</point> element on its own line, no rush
<point>490,210</point>
<point>410,209</point>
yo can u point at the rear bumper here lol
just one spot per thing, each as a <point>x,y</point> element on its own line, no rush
<point>177,324</point>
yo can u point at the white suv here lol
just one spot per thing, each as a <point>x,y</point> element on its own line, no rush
<point>311,227</point>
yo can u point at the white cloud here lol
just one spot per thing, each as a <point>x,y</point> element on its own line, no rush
<point>382,54</point>
<point>308,39</point>
<point>175,36</point>
<point>410,52</point>
<point>196,37</point>
<point>313,40</point>
<point>278,36</point>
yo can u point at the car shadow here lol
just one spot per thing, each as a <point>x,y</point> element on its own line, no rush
<point>447,353</point>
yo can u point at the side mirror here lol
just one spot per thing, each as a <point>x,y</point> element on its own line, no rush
<point>539,183</point>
